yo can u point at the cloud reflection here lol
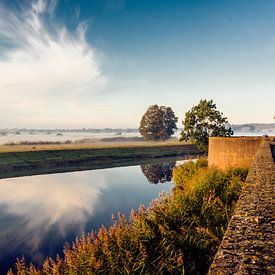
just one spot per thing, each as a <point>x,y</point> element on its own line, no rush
<point>41,204</point>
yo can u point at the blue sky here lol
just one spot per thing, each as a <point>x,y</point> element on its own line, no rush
<point>100,63</point>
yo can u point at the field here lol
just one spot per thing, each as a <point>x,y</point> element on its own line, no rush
<point>89,144</point>
<point>19,160</point>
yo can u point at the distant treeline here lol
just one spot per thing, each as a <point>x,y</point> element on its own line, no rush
<point>253,127</point>
<point>78,130</point>
<point>248,127</point>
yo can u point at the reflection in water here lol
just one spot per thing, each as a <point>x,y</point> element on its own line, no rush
<point>39,213</point>
<point>31,209</point>
<point>156,173</point>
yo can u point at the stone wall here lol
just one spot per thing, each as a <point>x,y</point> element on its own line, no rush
<point>233,151</point>
<point>248,244</point>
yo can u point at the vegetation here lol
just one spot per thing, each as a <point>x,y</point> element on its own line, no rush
<point>87,144</point>
<point>70,157</point>
<point>178,234</point>
<point>158,123</point>
<point>202,121</point>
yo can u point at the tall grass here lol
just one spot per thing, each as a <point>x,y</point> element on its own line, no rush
<point>178,234</point>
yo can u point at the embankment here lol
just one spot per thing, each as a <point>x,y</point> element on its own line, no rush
<point>29,161</point>
<point>248,244</point>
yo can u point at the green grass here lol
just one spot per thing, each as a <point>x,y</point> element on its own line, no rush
<point>179,233</point>
<point>58,159</point>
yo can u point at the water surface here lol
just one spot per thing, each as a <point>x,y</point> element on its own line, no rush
<point>39,213</point>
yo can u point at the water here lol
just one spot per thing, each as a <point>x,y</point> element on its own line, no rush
<point>39,213</point>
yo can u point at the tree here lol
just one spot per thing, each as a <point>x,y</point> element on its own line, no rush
<point>158,123</point>
<point>203,121</point>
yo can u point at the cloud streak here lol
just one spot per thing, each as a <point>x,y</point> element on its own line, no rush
<point>45,69</point>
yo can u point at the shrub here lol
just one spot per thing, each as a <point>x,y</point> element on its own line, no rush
<point>183,173</point>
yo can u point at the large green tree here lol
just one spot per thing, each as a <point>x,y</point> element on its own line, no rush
<point>158,123</point>
<point>204,121</point>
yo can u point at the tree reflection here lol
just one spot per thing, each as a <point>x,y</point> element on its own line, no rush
<point>156,173</point>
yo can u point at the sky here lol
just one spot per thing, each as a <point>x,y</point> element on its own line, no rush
<point>101,63</point>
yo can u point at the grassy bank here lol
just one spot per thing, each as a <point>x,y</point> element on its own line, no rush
<point>20,160</point>
<point>24,146</point>
<point>178,234</point>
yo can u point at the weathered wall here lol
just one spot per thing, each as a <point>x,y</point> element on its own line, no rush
<point>248,244</point>
<point>233,151</point>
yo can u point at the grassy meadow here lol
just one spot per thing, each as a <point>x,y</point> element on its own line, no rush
<point>44,158</point>
<point>103,143</point>
<point>178,234</point>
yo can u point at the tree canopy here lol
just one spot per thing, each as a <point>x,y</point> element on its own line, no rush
<point>203,121</point>
<point>158,123</point>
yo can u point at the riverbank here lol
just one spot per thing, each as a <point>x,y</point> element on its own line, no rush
<point>179,233</point>
<point>19,160</point>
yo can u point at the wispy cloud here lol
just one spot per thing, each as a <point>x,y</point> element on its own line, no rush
<point>45,69</point>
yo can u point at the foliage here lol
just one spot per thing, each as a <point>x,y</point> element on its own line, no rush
<point>202,121</point>
<point>177,234</point>
<point>202,206</point>
<point>183,173</point>
<point>158,123</point>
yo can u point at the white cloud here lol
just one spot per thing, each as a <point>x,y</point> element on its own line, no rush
<point>45,70</point>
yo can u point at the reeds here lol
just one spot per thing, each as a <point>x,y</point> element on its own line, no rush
<point>178,234</point>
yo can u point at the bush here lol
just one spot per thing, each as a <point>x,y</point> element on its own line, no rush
<point>183,173</point>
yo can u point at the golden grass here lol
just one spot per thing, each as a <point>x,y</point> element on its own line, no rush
<point>94,145</point>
